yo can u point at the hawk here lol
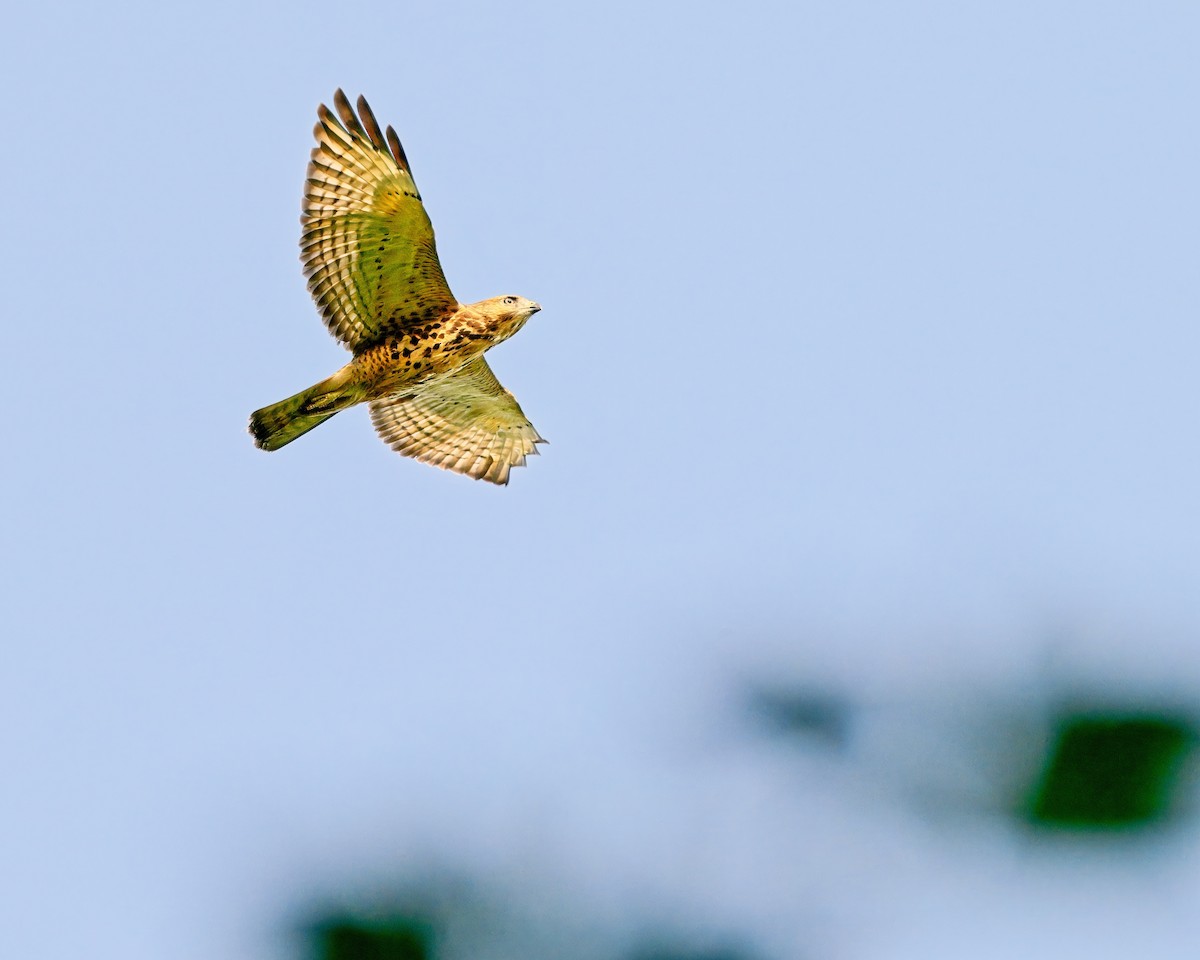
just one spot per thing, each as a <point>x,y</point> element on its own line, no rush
<point>372,267</point>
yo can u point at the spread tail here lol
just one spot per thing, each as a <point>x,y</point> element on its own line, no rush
<point>279,424</point>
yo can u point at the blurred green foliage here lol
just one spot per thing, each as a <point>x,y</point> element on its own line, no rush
<point>395,939</point>
<point>1111,770</point>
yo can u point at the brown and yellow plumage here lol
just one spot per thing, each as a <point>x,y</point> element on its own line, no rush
<point>368,252</point>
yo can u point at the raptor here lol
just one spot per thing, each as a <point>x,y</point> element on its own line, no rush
<point>417,360</point>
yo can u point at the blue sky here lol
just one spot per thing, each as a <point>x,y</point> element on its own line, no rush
<point>867,357</point>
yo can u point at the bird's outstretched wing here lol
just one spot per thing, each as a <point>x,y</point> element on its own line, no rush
<point>367,243</point>
<point>465,422</point>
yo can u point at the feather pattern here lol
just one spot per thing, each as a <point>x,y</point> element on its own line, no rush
<point>465,422</point>
<point>367,243</point>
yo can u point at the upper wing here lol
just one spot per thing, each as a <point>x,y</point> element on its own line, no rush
<point>465,422</point>
<point>367,243</point>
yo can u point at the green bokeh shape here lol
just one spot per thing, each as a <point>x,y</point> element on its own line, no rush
<point>377,940</point>
<point>1111,771</point>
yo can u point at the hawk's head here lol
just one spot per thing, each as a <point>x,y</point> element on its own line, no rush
<point>506,315</point>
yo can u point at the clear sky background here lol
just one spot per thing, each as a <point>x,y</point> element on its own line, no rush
<point>868,361</point>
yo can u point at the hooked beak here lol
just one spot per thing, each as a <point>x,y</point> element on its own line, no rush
<point>534,307</point>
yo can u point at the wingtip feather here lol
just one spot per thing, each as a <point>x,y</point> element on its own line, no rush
<point>398,150</point>
<point>373,133</point>
<point>346,112</point>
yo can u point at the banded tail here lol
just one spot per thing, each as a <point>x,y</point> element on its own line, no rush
<point>279,424</point>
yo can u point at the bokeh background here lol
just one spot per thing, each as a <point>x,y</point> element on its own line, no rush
<point>851,611</point>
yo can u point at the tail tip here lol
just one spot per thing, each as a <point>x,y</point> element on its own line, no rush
<point>258,431</point>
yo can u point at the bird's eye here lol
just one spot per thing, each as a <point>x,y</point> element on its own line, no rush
<point>510,300</point>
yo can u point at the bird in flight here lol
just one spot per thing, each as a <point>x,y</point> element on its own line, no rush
<point>373,271</point>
